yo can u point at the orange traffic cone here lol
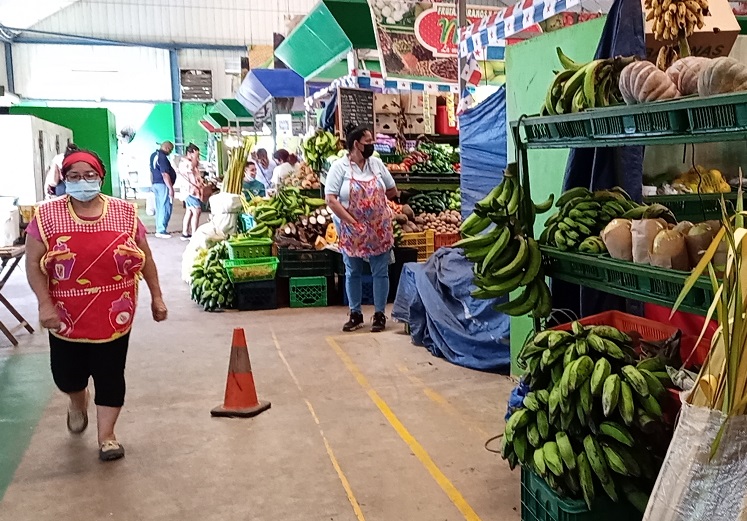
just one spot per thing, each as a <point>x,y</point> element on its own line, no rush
<point>241,395</point>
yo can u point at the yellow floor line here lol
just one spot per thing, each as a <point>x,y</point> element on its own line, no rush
<point>439,399</point>
<point>447,486</point>
<point>330,452</point>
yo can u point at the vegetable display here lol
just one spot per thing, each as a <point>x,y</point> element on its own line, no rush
<point>318,147</point>
<point>305,178</point>
<point>591,421</point>
<point>642,81</point>
<point>428,158</point>
<point>504,258</point>
<point>581,86</point>
<point>286,205</point>
<point>308,232</point>
<point>435,202</point>
<point>210,286</point>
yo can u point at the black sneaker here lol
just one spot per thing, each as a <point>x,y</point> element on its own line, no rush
<point>379,323</point>
<point>355,322</point>
<point>186,237</point>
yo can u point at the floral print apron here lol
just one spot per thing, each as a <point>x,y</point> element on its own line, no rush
<point>367,206</point>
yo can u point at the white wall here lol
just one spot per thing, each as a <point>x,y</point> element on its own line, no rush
<point>81,72</point>
<point>232,22</point>
<point>224,85</point>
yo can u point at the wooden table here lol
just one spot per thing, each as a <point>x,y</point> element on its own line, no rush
<point>10,258</point>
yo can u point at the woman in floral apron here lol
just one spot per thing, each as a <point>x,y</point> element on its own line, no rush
<point>357,188</point>
<point>85,253</point>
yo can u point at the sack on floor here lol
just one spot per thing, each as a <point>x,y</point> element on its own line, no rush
<point>691,485</point>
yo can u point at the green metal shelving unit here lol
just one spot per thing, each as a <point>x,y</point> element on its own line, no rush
<point>687,120</point>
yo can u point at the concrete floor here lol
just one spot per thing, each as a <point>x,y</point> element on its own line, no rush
<point>361,426</point>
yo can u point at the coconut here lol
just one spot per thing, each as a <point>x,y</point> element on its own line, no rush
<point>669,251</point>
<point>618,239</point>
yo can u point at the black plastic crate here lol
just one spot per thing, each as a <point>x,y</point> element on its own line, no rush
<point>253,296</point>
<point>304,263</point>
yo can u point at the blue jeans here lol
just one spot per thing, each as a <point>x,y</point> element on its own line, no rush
<point>163,207</point>
<point>353,285</point>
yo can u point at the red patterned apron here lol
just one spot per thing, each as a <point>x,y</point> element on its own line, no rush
<point>367,206</point>
<point>93,268</point>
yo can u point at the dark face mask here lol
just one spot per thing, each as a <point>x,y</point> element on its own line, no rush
<point>368,150</point>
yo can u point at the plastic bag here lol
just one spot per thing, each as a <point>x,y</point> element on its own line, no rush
<point>693,487</point>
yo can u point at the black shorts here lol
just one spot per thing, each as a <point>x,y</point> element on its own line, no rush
<point>74,362</point>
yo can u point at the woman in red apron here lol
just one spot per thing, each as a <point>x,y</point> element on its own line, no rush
<point>357,188</point>
<point>85,253</point>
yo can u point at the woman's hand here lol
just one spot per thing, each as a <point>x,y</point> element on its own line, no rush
<point>49,317</point>
<point>158,308</point>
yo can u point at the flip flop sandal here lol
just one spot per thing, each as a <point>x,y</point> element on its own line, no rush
<point>111,450</point>
<point>77,421</point>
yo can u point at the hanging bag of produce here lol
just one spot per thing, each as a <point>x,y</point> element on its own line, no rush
<point>695,485</point>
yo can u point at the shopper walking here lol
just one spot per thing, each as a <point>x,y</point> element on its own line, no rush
<point>163,177</point>
<point>265,167</point>
<point>189,171</point>
<point>84,255</point>
<point>357,189</point>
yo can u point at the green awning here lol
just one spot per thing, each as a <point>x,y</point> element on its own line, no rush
<point>232,110</point>
<point>216,120</point>
<point>331,30</point>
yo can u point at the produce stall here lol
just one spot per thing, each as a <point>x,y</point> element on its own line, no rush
<point>593,416</point>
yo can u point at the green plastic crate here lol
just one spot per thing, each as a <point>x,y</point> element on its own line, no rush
<point>626,279</point>
<point>651,119</point>
<point>249,248</point>
<point>718,113</point>
<point>305,263</point>
<point>246,270</point>
<point>566,126</point>
<point>541,503</point>
<point>695,208</point>
<point>308,292</point>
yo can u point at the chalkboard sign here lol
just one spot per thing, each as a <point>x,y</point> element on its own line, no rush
<point>355,107</point>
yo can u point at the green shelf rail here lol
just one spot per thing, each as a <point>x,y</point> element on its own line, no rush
<point>626,279</point>
<point>686,120</point>
<point>696,207</point>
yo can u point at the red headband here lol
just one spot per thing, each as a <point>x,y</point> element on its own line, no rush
<point>85,157</point>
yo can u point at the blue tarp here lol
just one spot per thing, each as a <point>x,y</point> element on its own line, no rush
<point>261,85</point>
<point>482,143</point>
<point>434,299</point>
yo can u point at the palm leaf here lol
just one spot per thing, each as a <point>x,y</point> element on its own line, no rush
<point>699,270</point>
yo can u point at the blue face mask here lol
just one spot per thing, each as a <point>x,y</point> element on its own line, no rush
<point>83,190</point>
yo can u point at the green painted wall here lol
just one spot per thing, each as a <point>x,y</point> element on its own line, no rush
<point>93,129</point>
<point>158,127</point>
<point>529,72</point>
<point>192,113</point>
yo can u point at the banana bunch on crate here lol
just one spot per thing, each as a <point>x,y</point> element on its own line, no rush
<point>210,286</point>
<point>581,86</point>
<point>673,19</point>
<point>581,215</point>
<point>587,421</point>
<point>504,258</point>
<point>286,206</point>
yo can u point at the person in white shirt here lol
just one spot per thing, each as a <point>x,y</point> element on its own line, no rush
<point>283,168</point>
<point>265,167</point>
<point>54,185</point>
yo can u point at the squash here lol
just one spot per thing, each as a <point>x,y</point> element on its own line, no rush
<point>685,73</point>
<point>642,81</point>
<point>331,235</point>
<point>722,75</point>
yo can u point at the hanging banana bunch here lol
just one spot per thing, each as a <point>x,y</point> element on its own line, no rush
<point>673,19</point>
<point>668,54</point>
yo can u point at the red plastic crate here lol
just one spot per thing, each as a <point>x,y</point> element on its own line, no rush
<point>648,329</point>
<point>443,240</point>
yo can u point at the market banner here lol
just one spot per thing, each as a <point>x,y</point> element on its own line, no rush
<point>420,41</point>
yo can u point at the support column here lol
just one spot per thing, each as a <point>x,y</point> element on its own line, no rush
<point>176,100</point>
<point>9,67</point>
<point>461,9</point>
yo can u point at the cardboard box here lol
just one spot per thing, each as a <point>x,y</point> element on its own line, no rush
<point>386,124</point>
<point>715,39</point>
<point>413,102</point>
<point>421,124</point>
<point>386,103</point>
